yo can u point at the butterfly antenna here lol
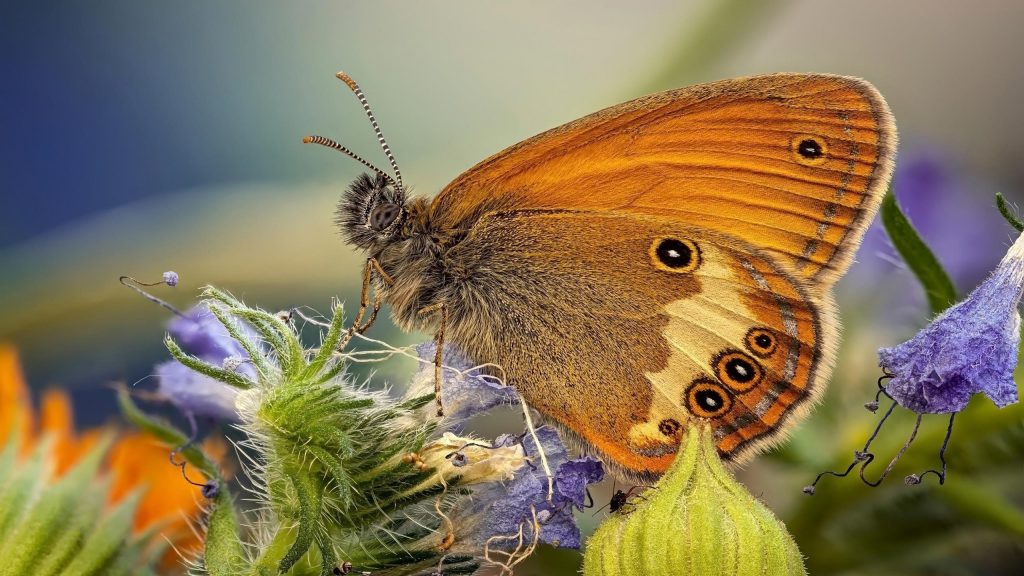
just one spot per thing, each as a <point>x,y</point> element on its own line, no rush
<point>373,121</point>
<point>332,144</point>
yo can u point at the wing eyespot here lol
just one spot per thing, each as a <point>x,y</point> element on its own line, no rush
<point>809,150</point>
<point>669,427</point>
<point>708,399</point>
<point>675,254</point>
<point>761,342</point>
<point>737,370</point>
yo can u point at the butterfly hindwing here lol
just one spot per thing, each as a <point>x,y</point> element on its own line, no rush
<point>795,164</point>
<point>621,327</point>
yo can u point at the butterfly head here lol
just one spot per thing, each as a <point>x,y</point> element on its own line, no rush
<point>372,212</point>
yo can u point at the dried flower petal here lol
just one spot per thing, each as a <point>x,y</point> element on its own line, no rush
<point>501,510</point>
<point>970,348</point>
<point>465,391</point>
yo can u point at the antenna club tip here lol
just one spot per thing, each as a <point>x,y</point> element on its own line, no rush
<point>347,80</point>
<point>307,139</point>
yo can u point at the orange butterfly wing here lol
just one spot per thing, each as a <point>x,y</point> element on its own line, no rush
<point>795,164</point>
<point>621,350</point>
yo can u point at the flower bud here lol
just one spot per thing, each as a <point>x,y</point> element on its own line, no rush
<point>697,520</point>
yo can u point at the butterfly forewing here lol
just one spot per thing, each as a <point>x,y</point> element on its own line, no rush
<point>795,164</point>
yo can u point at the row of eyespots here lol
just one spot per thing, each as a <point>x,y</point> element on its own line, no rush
<point>737,373</point>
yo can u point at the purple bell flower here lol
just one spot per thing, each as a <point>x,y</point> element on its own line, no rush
<point>200,334</point>
<point>465,391</point>
<point>970,348</point>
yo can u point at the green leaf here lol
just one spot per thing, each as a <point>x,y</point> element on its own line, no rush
<point>19,491</point>
<point>922,262</point>
<point>223,549</point>
<point>1004,209</point>
<point>167,434</point>
<point>105,541</point>
<point>80,524</point>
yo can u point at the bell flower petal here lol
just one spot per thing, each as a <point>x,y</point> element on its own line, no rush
<point>970,348</point>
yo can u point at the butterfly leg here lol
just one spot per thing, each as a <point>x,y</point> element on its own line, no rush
<point>438,349</point>
<point>372,267</point>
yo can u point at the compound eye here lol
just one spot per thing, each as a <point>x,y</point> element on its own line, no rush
<point>383,215</point>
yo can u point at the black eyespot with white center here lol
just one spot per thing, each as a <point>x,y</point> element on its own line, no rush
<point>761,342</point>
<point>675,254</point>
<point>707,399</point>
<point>737,370</point>
<point>809,149</point>
<point>710,400</point>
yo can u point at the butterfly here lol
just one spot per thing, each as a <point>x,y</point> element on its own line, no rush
<point>661,261</point>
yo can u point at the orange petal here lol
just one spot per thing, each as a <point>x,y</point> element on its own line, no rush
<point>137,460</point>
<point>15,401</point>
<point>56,420</point>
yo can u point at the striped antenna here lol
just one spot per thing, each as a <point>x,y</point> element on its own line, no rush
<point>332,144</point>
<point>376,128</point>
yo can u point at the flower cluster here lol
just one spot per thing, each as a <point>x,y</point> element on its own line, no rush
<point>348,477</point>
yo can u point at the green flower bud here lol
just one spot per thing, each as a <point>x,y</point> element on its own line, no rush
<point>697,520</point>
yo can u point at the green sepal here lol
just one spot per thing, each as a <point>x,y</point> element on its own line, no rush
<point>222,553</point>
<point>1004,209</point>
<point>328,345</point>
<point>308,495</point>
<point>219,373</point>
<point>251,349</point>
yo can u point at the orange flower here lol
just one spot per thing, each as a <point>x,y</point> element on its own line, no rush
<point>135,461</point>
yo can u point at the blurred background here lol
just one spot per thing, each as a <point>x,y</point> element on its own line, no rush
<point>143,137</point>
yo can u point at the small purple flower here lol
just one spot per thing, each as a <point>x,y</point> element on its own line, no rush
<point>171,278</point>
<point>465,392</point>
<point>512,504</point>
<point>200,334</point>
<point>970,348</point>
<point>196,394</point>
